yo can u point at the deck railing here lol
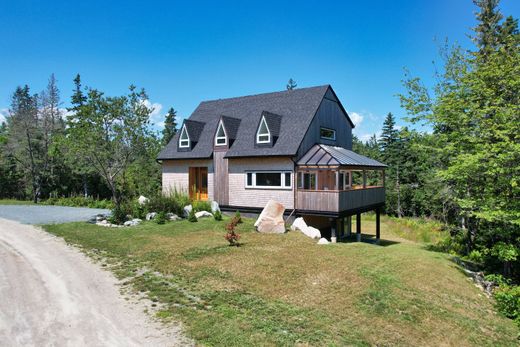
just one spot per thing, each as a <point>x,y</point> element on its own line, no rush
<point>337,201</point>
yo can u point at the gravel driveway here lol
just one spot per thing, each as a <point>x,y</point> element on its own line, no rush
<point>53,295</point>
<point>40,214</point>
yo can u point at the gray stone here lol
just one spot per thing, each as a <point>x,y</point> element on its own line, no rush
<point>215,207</point>
<point>133,222</point>
<point>172,216</point>
<point>203,214</point>
<point>271,218</point>
<point>150,216</point>
<point>187,209</point>
<point>143,200</point>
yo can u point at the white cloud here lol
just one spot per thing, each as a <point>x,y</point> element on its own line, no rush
<point>156,117</point>
<point>356,118</point>
<point>365,136</point>
<point>3,114</point>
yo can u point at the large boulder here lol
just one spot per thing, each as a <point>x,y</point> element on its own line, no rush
<point>300,225</point>
<point>203,214</point>
<point>133,222</point>
<point>150,216</point>
<point>142,200</point>
<point>271,218</point>
<point>187,209</point>
<point>215,207</point>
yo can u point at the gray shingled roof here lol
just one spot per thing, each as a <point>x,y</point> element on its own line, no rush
<point>324,155</point>
<point>289,113</point>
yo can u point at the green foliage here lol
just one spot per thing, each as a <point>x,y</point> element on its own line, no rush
<point>291,84</point>
<point>160,218</point>
<point>79,201</point>
<point>170,126</point>
<point>217,215</point>
<point>238,217</point>
<point>172,202</point>
<point>201,205</point>
<point>191,216</point>
<point>118,215</point>
<point>508,301</point>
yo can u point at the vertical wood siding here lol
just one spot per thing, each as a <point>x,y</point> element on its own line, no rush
<point>239,195</point>
<point>221,181</point>
<point>329,115</point>
<point>175,175</point>
<point>339,201</point>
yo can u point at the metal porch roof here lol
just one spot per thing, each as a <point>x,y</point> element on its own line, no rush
<point>324,155</point>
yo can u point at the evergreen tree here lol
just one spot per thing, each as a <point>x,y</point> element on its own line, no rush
<point>487,32</point>
<point>388,134</point>
<point>170,126</point>
<point>291,84</point>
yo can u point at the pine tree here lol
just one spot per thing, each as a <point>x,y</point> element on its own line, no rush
<point>487,32</point>
<point>291,84</point>
<point>170,126</point>
<point>389,133</point>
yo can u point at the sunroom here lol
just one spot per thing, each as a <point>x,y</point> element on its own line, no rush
<point>337,182</point>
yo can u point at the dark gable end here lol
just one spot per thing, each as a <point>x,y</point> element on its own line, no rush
<point>194,130</point>
<point>288,114</point>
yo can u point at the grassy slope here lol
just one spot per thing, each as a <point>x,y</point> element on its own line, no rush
<point>286,290</point>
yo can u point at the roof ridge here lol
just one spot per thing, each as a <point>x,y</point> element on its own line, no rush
<point>268,93</point>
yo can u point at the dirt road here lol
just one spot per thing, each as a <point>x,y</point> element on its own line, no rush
<point>51,294</point>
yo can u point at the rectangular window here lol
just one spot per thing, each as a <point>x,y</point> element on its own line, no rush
<point>307,180</point>
<point>268,179</point>
<point>328,134</point>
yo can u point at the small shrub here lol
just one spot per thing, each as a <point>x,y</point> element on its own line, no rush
<point>217,215</point>
<point>508,301</point>
<point>201,205</point>
<point>173,202</point>
<point>118,216</point>
<point>191,216</point>
<point>160,218</point>
<point>231,236</point>
<point>238,217</point>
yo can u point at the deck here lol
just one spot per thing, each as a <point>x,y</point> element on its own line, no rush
<point>332,201</point>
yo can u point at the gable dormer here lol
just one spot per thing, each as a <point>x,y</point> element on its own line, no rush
<point>189,136</point>
<point>221,137</point>
<point>268,129</point>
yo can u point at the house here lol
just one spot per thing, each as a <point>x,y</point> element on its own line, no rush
<point>292,146</point>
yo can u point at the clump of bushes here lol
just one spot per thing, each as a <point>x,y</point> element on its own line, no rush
<point>160,218</point>
<point>118,216</point>
<point>201,205</point>
<point>507,296</point>
<point>79,201</point>
<point>172,202</point>
<point>217,215</point>
<point>231,236</point>
<point>191,216</point>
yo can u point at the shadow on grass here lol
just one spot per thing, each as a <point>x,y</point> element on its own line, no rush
<point>367,238</point>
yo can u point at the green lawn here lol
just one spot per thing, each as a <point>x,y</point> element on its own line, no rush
<point>15,202</point>
<point>286,290</point>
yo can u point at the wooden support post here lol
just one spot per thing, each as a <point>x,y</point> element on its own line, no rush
<point>358,227</point>
<point>333,226</point>
<point>349,226</point>
<point>378,226</point>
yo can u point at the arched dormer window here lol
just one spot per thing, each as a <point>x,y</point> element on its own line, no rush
<point>221,138</point>
<point>263,135</point>
<point>184,139</point>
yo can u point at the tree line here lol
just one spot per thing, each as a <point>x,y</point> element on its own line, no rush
<point>466,171</point>
<point>101,146</point>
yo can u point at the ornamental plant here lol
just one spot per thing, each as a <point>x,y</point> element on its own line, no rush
<point>231,236</point>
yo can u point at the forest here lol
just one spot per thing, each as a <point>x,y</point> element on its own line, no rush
<point>463,172</point>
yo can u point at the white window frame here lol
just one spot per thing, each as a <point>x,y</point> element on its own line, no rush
<point>181,140</point>
<point>225,137</point>
<point>282,180</point>
<point>263,121</point>
<point>333,138</point>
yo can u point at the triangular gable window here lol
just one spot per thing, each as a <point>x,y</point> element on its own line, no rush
<point>263,135</point>
<point>221,137</point>
<point>184,139</point>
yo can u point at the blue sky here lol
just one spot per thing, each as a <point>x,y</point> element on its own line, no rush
<point>186,52</point>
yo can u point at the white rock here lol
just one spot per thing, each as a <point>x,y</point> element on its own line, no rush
<point>214,207</point>
<point>100,217</point>
<point>202,214</point>
<point>271,218</point>
<point>187,210</point>
<point>172,216</point>
<point>143,200</point>
<point>323,241</point>
<point>150,216</point>
<point>133,222</point>
<point>312,232</point>
<point>300,225</point>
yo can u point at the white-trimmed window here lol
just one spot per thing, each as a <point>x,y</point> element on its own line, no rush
<point>327,134</point>
<point>269,179</point>
<point>221,136</point>
<point>308,180</point>
<point>263,135</point>
<point>184,139</point>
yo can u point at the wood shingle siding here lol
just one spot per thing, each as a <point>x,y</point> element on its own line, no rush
<point>239,195</point>
<point>175,175</point>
